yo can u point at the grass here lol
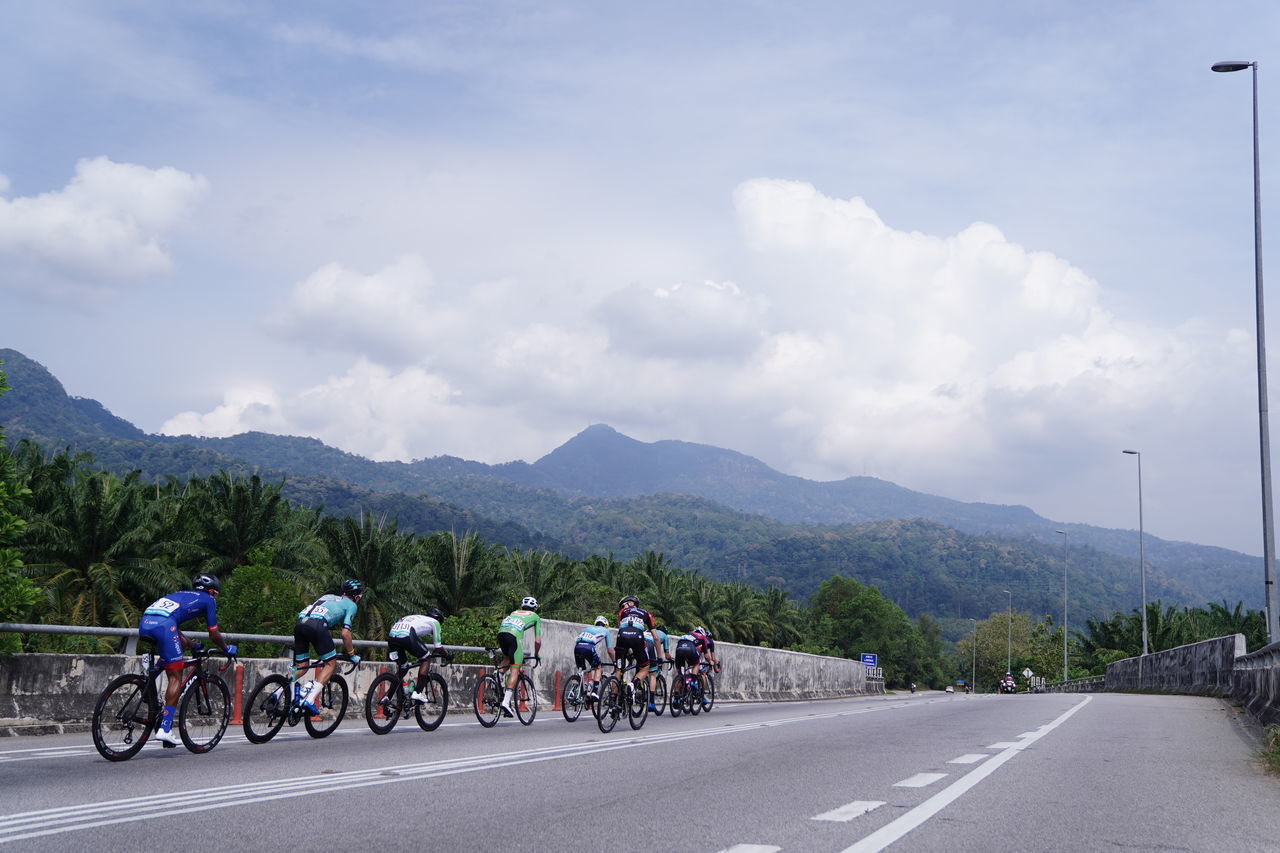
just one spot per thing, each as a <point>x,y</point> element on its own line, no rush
<point>1270,754</point>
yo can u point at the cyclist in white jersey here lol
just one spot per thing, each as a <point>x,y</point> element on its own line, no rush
<point>586,653</point>
<point>408,636</point>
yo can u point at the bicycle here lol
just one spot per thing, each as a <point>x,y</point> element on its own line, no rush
<point>708,684</point>
<point>488,693</point>
<point>388,698</point>
<point>660,687</point>
<point>574,696</point>
<point>616,700</point>
<point>686,695</point>
<point>277,700</point>
<point>128,710</point>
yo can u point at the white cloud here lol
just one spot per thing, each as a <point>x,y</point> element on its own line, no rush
<point>106,226</point>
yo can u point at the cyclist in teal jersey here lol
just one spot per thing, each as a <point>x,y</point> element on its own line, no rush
<point>586,652</point>
<point>511,641</point>
<point>312,631</point>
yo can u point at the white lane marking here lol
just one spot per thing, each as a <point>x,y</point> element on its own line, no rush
<point>971,758</point>
<point>896,829</point>
<point>751,848</point>
<point>90,815</point>
<point>1036,733</point>
<point>920,780</point>
<point>849,811</point>
<point>1005,744</point>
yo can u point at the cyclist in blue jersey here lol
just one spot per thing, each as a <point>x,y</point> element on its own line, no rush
<point>160,623</point>
<point>312,631</point>
<point>663,640</point>
<point>586,653</point>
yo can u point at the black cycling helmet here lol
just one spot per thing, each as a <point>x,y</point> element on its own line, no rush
<point>352,587</point>
<point>663,629</point>
<point>206,583</point>
<point>434,613</point>
<point>622,602</point>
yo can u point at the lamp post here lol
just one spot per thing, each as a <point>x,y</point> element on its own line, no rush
<point>1142,559</point>
<point>1008,663</point>
<point>973,676</point>
<point>1064,604</point>
<point>1264,429</point>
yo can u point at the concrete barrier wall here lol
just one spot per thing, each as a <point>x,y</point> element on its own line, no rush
<point>64,688</point>
<point>1204,668</point>
<point>1256,683</point>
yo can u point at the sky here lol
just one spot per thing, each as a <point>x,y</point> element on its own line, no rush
<point>974,249</point>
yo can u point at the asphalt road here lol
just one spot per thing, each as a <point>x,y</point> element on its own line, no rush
<point>923,772</point>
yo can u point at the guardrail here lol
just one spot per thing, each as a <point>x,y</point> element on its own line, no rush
<point>129,636</point>
<point>1086,684</point>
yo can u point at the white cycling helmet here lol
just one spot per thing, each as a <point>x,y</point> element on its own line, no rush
<point>529,603</point>
<point>602,620</point>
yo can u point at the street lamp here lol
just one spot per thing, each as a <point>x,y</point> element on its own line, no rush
<point>1064,604</point>
<point>1008,663</point>
<point>973,676</point>
<point>1142,560</point>
<point>1264,430</point>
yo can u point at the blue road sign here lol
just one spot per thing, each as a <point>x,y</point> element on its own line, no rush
<point>870,659</point>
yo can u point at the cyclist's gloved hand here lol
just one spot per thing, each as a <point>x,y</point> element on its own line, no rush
<point>197,646</point>
<point>355,658</point>
<point>232,648</point>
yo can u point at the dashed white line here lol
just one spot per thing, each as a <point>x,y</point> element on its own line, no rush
<point>849,811</point>
<point>920,780</point>
<point>751,848</point>
<point>971,758</point>
<point>1005,744</point>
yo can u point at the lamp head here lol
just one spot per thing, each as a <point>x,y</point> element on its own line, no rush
<point>1131,452</point>
<point>1234,65</point>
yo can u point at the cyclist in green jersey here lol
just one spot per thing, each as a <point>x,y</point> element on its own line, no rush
<point>511,641</point>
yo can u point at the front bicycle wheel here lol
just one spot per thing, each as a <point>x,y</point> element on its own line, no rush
<point>384,703</point>
<point>571,698</point>
<point>332,705</point>
<point>677,696</point>
<point>639,709</point>
<point>203,713</point>
<point>431,713</point>
<point>488,696</point>
<point>693,697</point>
<point>526,700</point>
<point>708,692</point>
<point>123,718</point>
<point>660,695</point>
<point>609,708</point>
<point>266,709</point>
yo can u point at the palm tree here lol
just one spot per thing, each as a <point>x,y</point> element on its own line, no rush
<point>548,577</point>
<point>228,517</point>
<point>371,551</point>
<point>463,571</point>
<point>745,622</point>
<point>668,597</point>
<point>782,617</point>
<point>706,604</point>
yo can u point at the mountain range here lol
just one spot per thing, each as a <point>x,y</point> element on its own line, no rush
<point>713,510</point>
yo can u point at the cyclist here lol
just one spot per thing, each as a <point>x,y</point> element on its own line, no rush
<point>706,646</point>
<point>651,648</point>
<point>511,640</point>
<point>312,631</point>
<point>160,623</point>
<point>586,653</point>
<point>633,622</point>
<point>406,637</point>
<point>687,654</point>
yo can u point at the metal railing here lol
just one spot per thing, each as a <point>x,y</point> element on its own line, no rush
<point>1087,684</point>
<point>129,636</point>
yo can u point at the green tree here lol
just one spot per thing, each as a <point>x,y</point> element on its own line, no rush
<point>258,599</point>
<point>17,593</point>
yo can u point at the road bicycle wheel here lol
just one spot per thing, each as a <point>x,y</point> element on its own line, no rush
<point>203,713</point>
<point>677,696</point>
<point>384,703</point>
<point>639,704</point>
<point>660,695</point>
<point>610,705</point>
<point>693,697</point>
<point>708,692</point>
<point>266,709</point>
<point>488,697</point>
<point>526,700</point>
<point>431,713</point>
<point>572,698</point>
<point>332,705</point>
<point>123,718</point>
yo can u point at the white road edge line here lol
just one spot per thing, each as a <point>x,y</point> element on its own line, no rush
<point>896,829</point>
<point>848,812</point>
<point>751,848</point>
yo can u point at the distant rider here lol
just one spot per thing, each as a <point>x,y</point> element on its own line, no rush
<point>586,653</point>
<point>408,636</point>
<point>312,631</point>
<point>633,623</point>
<point>511,640</point>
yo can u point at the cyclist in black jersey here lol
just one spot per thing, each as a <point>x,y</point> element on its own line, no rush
<point>633,623</point>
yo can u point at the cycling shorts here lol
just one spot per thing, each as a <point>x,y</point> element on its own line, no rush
<point>512,647</point>
<point>585,655</point>
<point>312,633</point>
<point>686,656</point>
<point>630,642</point>
<point>409,646</point>
<point>163,631</point>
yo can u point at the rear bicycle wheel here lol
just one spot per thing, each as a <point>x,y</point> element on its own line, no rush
<point>693,697</point>
<point>266,709</point>
<point>332,704</point>
<point>488,696</point>
<point>639,704</point>
<point>123,718</point>
<point>526,700</point>
<point>660,695</point>
<point>677,696</point>
<point>572,698</point>
<point>610,707</point>
<point>383,703</point>
<point>708,692</point>
<point>430,714</point>
<point>203,713</point>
